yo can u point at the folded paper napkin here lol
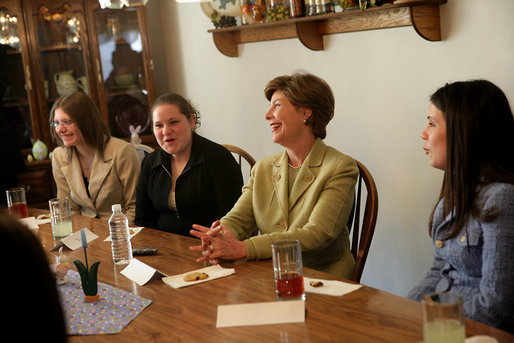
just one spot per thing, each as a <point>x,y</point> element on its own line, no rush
<point>480,339</point>
<point>30,222</point>
<point>330,287</point>
<point>132,231</point>
<point>213,272</point>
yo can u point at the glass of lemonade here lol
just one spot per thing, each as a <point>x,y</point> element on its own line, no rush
<point>60,214</point>
<point>443,321</point>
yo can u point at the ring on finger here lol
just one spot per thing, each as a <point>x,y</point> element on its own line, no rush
<point>210,247</point>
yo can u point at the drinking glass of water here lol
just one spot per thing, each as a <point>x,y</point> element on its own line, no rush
<point>443,321</point>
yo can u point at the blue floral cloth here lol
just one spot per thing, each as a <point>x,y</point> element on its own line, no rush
<point>115,309</point>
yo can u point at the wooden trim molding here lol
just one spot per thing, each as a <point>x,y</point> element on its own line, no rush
<point>422,15</point>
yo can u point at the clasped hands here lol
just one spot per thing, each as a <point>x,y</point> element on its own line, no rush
<point>217,243</point>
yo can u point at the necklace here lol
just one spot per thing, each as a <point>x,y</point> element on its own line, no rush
<point>292,167</point>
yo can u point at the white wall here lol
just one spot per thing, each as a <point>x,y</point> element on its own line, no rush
<point>381,80</point>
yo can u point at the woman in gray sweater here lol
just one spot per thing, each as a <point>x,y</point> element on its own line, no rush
<point>470,135</point>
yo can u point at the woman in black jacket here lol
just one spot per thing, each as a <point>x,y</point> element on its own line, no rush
<point>190,179</point>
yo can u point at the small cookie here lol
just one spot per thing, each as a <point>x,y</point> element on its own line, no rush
<point>195,276</point>
<point>316,283</point>
<point>43,216</point>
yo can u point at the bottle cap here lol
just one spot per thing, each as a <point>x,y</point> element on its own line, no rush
<point>116,208</point>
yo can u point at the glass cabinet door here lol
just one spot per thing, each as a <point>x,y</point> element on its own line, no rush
<point>121,58</point>
<point>15,100</point>
<point>61,52</point>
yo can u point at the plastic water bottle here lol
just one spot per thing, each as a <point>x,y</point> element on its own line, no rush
<point>119,228</point>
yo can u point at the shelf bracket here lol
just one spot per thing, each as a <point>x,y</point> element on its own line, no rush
<point>308,33</point>
<point>226,42</point>
<point>426,22</point>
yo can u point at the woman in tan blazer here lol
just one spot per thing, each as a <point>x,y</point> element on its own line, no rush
<point>305,192</point>
<point>91,168</point>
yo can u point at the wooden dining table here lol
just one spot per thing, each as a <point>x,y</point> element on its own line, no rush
<point>189,314</point>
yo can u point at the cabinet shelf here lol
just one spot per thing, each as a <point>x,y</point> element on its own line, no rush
<point>123,91</point>
<point>60,47</point>
<point>13,52</point>
<point>423,15</point>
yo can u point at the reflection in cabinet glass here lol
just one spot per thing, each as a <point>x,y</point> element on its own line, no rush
<point>62,53</point>
<point>14,103</point>
<point>121,54</point>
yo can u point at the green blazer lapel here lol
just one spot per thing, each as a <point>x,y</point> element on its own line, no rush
<point>73,174</point>
<point>307,173</point>
<point>101,168</point>
<point>280,185</point>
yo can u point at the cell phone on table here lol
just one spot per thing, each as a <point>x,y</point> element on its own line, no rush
<point>144,251</point>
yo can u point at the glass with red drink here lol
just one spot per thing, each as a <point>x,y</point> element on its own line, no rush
<point>16,202</point>
<point>288,270</point>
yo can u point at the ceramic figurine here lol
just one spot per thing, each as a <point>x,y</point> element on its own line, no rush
<point>134,134</point>
<point>88,276</point>
<point>39,150</point>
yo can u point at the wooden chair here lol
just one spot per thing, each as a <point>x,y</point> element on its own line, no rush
<point>241,154</point>
<point>362,232</point>
<point>143,150</point>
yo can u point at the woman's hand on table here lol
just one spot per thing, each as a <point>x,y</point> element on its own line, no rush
<point>217,243</point>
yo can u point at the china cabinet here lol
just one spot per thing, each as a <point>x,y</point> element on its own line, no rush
<point>65,45</point>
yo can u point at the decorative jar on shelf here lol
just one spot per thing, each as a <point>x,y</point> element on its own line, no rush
<point>315,7</point>
<point>252,11</point>
<point>348,4</point>
<point>296,8</point>
<point>277,10</point>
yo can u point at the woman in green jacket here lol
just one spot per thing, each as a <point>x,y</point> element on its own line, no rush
<point>305,192</point>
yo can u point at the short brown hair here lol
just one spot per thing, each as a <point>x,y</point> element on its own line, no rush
<point>86,117</point>
<point>307,91</point>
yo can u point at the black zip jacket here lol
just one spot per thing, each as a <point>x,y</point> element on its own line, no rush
<point>208,187</point>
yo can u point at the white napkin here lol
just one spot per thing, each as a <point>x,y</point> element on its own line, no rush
<point>330,287</point>
<point>480,339</point>
<point>140,272</point>
<point>214,272</point>
<point>30,222</point>
<point>133,231</point>
<point>74,241</point>
<point>261,313</point>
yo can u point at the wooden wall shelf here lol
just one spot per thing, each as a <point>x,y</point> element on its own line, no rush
<point>423,15</point>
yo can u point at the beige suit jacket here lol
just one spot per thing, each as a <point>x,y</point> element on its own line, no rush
<point>315,212</point>
<point>112,181</point>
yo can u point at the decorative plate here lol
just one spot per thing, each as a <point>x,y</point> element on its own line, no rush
<point>128,110</point>
<point>224,7</point>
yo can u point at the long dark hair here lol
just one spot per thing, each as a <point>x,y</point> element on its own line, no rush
<point>479,146</point>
